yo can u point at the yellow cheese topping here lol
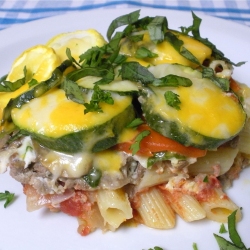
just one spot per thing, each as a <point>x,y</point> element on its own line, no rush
<point>79,164</point>
<point>205,109</point>
<point>108,160</point>
<point>166,52</point>
<point>54,115</point>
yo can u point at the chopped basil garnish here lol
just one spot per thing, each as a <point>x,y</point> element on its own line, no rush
<point>135,147</point>
<point>133,71</point>
<point>73,91</point>
<point>172,81</point>
<point>206,179</point>
<point>71,58</point>
<point>98,96</point>
<point>143,52</point>
<point>8,197</point>
<point>222,83</point>
<point>195,247</point>
<point>7,86</point>
<point>156,248</point>
<point>32,82</point>
<point>135,123</point>
<point>122,20</point>
<point>236,243</point>
<point>222,229</point>
<point>172,99</point>
<point>195,30</point>
<point>157,28</point>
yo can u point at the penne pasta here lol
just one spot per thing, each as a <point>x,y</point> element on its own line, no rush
<point>186,206</point>
<point>155,211</point>
<point>114,207</point>
<point>219,206</point>
<point>154,177</point>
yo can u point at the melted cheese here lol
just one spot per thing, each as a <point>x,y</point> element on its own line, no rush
<point>166,52</point>
<point>127,134</point>
<point>108,160</point>
<point>204,108</point>
<point>59,116</point>
<point>64,165</point>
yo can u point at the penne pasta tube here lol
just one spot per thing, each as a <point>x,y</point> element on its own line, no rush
<point>154,210</point>
<point>185,205</point>
<point>219,206</point>
<point>152,177</point>
<point>114,207</point>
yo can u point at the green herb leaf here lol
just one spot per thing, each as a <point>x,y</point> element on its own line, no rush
<point>73,91</point>
<point>98,96</point>
<point>135,147</point>
<point>172,99</point>
<point>156,248</point>
<point>135,123</point>
<point>178,46</point>
<point>174,41</point>
<point>92,57</point>
<point>32,82</point>
<point>133,71</point>
<point>136,38</point>
<point>205,179</point>
<point>222,229</point>
<point>172,81</point>
<point>233,234</point>
<point>93,177</point>
<point>222,83</point>
<point>224,244</point>
<point>122,20</point>
<point>195,247</point>
<point>106,74</point>
<point>8,197</point>
<point>195,29</point>
<point>157,28</point>
<point>71,58</point>
<point>236,243</point>
<point>188,55</point>
<point>7,86</point>
<point>143,52</point>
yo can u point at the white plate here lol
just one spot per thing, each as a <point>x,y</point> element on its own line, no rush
<point>44,230</point>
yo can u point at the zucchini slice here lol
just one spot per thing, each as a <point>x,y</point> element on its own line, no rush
<point>207,117</point>
<point>123,87</point>
<point>60,124</point>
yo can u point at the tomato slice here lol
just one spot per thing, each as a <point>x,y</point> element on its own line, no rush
<point>155,142</point>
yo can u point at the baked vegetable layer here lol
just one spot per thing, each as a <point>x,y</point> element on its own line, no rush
<point>61,124</point>
<point>206,116</point>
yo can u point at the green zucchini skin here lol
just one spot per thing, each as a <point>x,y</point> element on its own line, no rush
<point>119,86</point>
<point>183,135</point>
<point>171,124</point>
<point>94,139</point>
